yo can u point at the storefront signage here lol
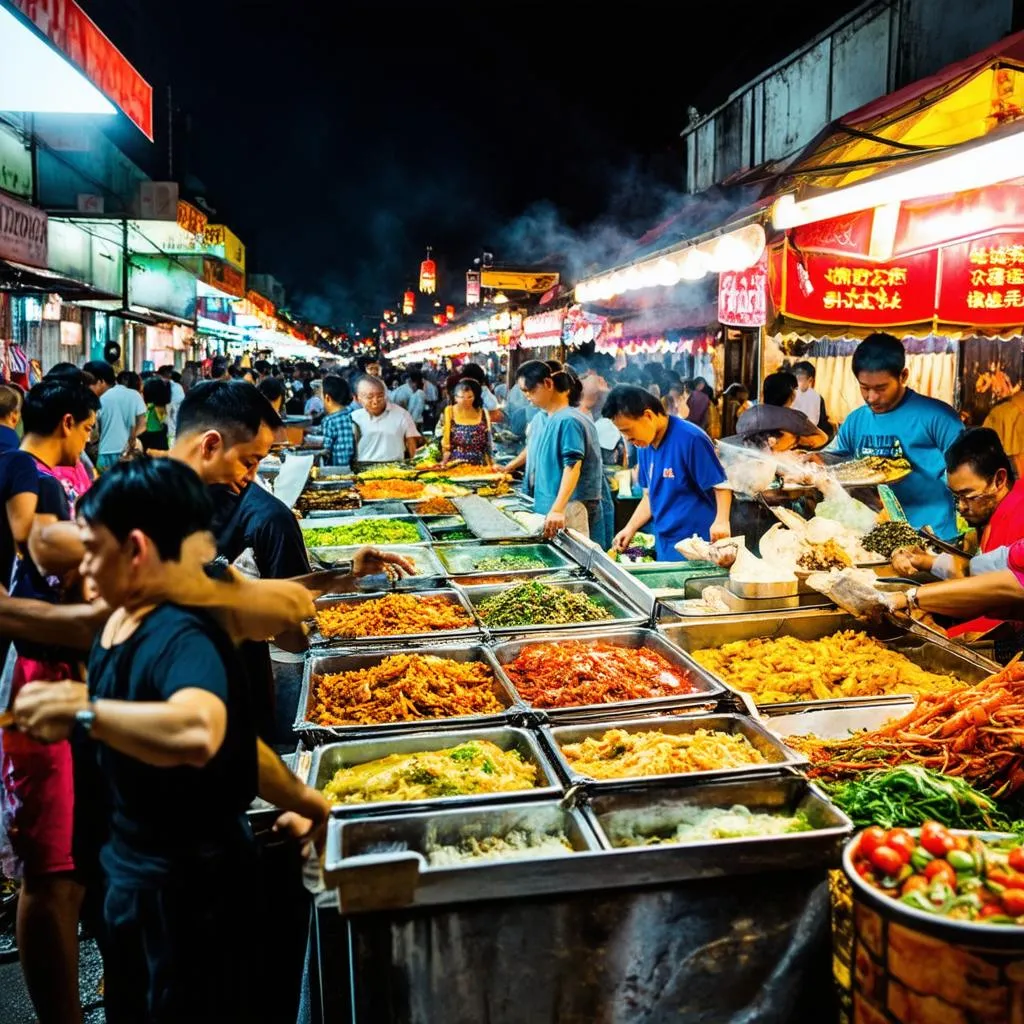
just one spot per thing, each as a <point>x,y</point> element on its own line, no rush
<point>191,218</point>
<point>543,329</point>
<point>219,240</point>
<point>472,288</point>
<point>161,284</point>
<point>223,277</point>
<point>23,232</point>
<point>836,290</point>
<point>261,303</point>
<point>15,164</point>
<point>847,235</point>
<point>743,295</point>
<point>74,33</point>
<point>510,281</point>
<point>982,282</point>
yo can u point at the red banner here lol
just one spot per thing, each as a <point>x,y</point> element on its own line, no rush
<point>844,290</point>
<point>74,33</point>
<point>982,282</point>
<point>847,235</point>
<point>743,295</point>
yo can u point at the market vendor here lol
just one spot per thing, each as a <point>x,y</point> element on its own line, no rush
<point>897,423</point>
<point>679,472</point>
<point>385,432</point>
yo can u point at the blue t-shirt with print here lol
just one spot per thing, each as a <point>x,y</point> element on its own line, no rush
<point>920,430</point>
<point>568,437</point>
<point>680,476</point>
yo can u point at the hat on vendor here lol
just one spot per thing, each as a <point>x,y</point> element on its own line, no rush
<point>770,419</point>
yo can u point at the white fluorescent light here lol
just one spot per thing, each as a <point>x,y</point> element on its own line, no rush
<point>987,163</point>
<point>36,79</point>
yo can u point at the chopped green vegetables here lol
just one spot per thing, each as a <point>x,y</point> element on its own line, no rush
<point>506,563</point>
<point>362,531</point>
<point>912,795</point>
<point>454,535</point>
<point>538,604</point>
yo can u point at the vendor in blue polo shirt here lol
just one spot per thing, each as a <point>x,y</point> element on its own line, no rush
<point>679,472</point>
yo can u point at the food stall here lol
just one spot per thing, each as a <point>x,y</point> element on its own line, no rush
<point>535,776</point>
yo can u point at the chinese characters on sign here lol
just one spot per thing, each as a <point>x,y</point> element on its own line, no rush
<point>997,277</point>
<point>742,295</point>
<point>983,281</point>
<point>865,287</point>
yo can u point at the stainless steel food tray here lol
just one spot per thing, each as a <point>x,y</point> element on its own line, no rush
<point>776,753</point>
<point>698,634</point>
<point>673,610</point>
<point>341,520</point>
<point>370,876</point>
<point>836,721</point>
<point>489,523</point>
<point>621,613</point>
<point>316,639</point>
<point>501,579</point>
<point>648,811</point>
<point>461,560</point>
<point>323,662</point>
<point>430,572</point>
<point>379,510</point>
<point>328,759</point>
<point>707,688</point>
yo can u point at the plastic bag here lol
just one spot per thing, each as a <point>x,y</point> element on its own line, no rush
<point>854,590</point>
<point>838,505</point>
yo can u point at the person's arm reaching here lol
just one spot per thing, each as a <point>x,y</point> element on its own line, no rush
<point>411,444</point>
<point>637,521</point>
<point>996,594</point>
<point>55,547</point>
<point>721,528</point>
<point>555,520</point>
<point>65,625</point>
<point>306,810</point>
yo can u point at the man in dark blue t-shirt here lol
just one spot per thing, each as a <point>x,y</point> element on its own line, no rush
<point>678,471</point>
<point>168,712</point>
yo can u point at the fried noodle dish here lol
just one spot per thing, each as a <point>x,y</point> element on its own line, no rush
<point>404,688</point>
<point>625,755</point>
<point>846,664</point>
<point>391,615</point>
<point>384,490</point>
<point>573,672</point>
<point>477,766</point>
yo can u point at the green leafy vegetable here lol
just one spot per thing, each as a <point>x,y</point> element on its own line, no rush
<point>362,531</point>
<point>534,604</point>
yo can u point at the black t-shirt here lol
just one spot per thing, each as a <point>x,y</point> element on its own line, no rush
<point>259,521</point>
<point>18,475</point>
<point>167,822</point>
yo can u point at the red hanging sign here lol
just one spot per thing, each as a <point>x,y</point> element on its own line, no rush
<point>743,295</point>
<point>982,282</point>
<point>844,290</point>
<point>846,235</point>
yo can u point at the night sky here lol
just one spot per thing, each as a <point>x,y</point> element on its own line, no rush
<point>338,154</point>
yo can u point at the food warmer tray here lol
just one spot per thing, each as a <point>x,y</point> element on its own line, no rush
<point>836,722</point>
<point>623,614</point>
<point>779,757</point>
<point>380,863</point>
<point>501,579</point>
<point>342,520</point>
<point>431,574</point>
<point>462,559</point>
<point>316,639</point>
<point>696,635</point>
<point>338,661</point>
<point>487,522</point>
<point>329,758</point>
<point>614,576</point>
<point>708,689</point>
<point>381,510</point>
<point>672,608</point>
<point>650,811</point>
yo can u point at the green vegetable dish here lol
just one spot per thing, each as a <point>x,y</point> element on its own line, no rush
<point>736,822</point>
<point>363,531</point>
<point>538,604</point>
<point>507,563</point>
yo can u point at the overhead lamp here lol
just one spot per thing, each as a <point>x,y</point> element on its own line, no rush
<point>976,166</point>
<point>694,265</point>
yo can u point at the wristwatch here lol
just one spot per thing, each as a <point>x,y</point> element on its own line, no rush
<point>85,719</point>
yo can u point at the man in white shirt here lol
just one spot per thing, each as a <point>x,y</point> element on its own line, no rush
<point>122,418</point>
<point>807,400</point>
<point>412,397</point>
<point>385,432</point>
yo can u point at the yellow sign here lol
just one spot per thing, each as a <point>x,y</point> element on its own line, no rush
<point>219,240</point>
<point>518,281</point>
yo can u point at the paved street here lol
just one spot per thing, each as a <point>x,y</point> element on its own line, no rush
<point>15,1007</point>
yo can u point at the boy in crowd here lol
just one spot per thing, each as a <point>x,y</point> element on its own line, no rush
<point>896,422</point>
<point>807,400</point>
<point>339,435</point>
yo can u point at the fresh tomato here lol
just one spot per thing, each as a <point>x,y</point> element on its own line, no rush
<point>941,871</point>
<point>935,838</point>
<point>1016,858</point>
<point>887,860</point>
<point>864,870</point>
<point>900,840</point>
<point>1007,879</point>
<point>1013,902</point>
<point>870,840</point>
<point>991,909</point>
<point>913,884</point>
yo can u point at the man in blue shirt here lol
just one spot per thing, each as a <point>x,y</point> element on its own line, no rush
<point>339,435</point>
<point>897,422</point>
<point>679,473</point>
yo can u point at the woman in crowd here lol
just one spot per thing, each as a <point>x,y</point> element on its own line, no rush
<point>567,483</point>
<point>466,433</point>
<point>156,392</point>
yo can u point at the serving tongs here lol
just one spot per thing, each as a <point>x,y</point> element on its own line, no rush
<point>950,549</point>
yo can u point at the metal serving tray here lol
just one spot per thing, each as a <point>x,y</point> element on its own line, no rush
<point>323,663</point>
<point>381,863</point>
<point>430,572</point>
<point>341,520</point>
<point>622,614</point>
<point>489,523</point>
<point>836,722</point>
<point>462,559</point>
<point>673,609</point>
<point>776,753</point>
<point>330,484</point>
<point>649,812</point>
<point>501,579</point>
<point>316,639</point>
<point>380,510</point>
<point>698,634</point>
<point>707,688</point>
<point>328,759</point>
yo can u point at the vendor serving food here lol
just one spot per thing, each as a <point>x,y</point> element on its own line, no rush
<point>679,472</point>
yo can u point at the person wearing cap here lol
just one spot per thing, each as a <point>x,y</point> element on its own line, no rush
<point>678,470</point>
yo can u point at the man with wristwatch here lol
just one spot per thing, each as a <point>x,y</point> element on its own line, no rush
<point>167,714</point>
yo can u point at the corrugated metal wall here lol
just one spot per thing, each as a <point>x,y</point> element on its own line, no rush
<point>881,47</point>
